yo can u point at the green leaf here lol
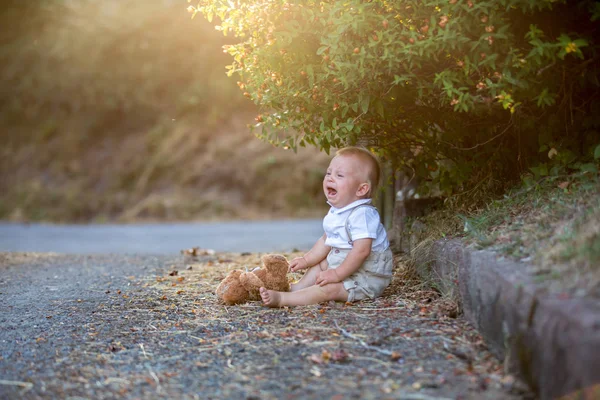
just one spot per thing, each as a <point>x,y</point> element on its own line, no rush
<point>589,167</point>
<point>597,152</point>
<point>364,103</point>
<point>321,50</point>
<point>540,170</point>
<point>380,108</point>
<point>350,124</point>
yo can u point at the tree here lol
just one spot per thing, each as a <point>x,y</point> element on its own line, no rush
<point>447,88</point>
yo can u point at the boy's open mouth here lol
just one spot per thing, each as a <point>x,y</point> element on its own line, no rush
<point>331,191</point>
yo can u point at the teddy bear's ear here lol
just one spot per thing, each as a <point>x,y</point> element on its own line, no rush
<point>269,258</point>
<point>275,262</point>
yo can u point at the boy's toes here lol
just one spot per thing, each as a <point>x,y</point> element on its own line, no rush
<point>264,294</point>
<point>270,298</point>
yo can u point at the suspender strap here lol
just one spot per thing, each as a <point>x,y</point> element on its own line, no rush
<point>347,225</point>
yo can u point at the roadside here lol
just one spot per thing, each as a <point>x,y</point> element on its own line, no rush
<point>106,326</point>
<point>550,226</point>
<point>524,269</point>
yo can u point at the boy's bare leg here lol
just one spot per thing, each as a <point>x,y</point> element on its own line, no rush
<point>311,295</point>
<point>310,277</point>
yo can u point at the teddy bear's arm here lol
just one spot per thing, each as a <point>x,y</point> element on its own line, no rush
<point>250,281</point>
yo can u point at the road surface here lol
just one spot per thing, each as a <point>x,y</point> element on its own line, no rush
<point>161,239</point>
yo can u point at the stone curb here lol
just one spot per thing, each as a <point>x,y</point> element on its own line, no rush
<point>553,344</point>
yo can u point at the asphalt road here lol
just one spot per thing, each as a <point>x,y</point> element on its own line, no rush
<point>161,239</point>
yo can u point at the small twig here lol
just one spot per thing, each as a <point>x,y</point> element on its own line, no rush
<point>541,70</point>
<point>479,144</point>
<point>143,351</point>
<point>387,364</point>
<point>155,377</point>
<point>116,380</point>
<point>24,385</point>
<point>420,396</point>
<point>362,342</point>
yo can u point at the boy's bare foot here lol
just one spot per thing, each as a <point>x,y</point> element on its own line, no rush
<point>270,298</point>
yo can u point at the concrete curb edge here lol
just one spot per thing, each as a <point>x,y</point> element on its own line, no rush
<point>552,343</point>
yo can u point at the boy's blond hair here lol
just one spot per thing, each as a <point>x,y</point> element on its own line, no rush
<point>368,158</point>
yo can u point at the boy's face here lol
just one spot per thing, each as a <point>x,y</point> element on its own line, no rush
<point>345,181</point>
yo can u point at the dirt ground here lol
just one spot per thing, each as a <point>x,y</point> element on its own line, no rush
<point>151,327</point>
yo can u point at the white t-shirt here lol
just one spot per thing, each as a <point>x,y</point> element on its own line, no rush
<point>364,223</point>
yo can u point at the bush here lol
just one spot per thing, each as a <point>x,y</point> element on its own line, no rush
<point>453,89</point>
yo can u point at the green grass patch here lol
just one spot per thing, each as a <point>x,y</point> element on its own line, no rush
<point>552,225</point>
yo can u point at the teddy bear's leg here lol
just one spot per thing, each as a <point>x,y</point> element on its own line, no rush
<point>230,290</point>
<point>252,284</point>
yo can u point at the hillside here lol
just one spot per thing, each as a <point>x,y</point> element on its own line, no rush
<point>122,111</point>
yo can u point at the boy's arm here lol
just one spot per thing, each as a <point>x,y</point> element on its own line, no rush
<point>314,256</point>
<point>361,249</point>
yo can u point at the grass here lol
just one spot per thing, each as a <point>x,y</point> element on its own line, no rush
<point>180,175</point>
<point>551,225</point>
<point>526,217</point>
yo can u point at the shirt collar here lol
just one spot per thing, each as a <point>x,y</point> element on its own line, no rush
<point>349,206</point>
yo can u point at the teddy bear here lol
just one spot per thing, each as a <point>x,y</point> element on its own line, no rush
<point>239,286</point>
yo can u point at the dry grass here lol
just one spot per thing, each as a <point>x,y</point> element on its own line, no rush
<point>183,173</point>
<point>168,336</point>
<point>551,225</point>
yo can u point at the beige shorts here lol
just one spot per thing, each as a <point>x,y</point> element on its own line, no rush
<point>371,278</point>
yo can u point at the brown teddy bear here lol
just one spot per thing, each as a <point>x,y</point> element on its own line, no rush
<point>239,286</point>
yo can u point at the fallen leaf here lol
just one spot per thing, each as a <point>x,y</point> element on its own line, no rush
<point>340,355</point>
<point>316,358</point>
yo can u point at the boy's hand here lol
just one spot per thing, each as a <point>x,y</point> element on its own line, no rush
<point>298,263</point>
<point>325,277</point>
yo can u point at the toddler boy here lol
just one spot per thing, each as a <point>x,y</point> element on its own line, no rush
<point>352,260</point>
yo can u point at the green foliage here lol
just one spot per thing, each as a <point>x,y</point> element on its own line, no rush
<point>444,87</point>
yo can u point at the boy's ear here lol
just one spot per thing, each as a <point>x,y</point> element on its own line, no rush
<point>363,189</point>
